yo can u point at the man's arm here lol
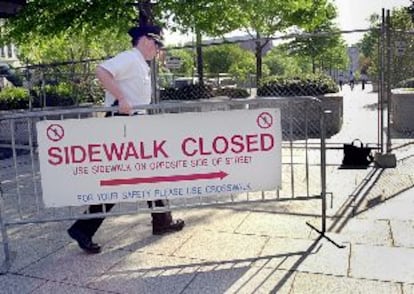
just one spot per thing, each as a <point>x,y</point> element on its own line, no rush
<point>108,82</point>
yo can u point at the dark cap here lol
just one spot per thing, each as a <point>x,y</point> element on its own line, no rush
<point>153,32</point>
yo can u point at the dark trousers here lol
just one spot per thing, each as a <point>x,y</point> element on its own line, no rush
<point>90,226</point>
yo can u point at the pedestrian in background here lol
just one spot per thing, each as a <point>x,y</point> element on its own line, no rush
<point>127,82</point>
<point>341,79</point>
<point>351,79</point>
<point>364,78</point>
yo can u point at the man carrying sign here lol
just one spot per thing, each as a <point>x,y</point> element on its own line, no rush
<point>127,82</point>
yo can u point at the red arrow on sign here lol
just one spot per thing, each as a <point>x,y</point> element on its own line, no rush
<point>175,178</point>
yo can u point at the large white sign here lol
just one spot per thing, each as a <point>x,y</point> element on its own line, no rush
<point>119,159</point>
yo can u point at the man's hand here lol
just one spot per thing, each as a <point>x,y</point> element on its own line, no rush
<point>124,107</point>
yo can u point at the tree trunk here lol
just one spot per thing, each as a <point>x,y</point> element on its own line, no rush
<point>313,65</point>
<point>199,58</point>
<point>258,60</point>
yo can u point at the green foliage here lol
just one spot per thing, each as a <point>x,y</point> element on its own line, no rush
<point>323,51</point>
<point>48,18</point>
<point>213,18</point>
<point>309,85</point>
<point>229,58</point>
<point>402,65</point>
<point>280,63</point>
<point>187,59</point>
<point>60,95</point>
<point>14,98</point>
<point>47,30</point>
<point>64,46</point>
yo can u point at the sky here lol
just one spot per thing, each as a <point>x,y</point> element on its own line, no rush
<point>352,14</point>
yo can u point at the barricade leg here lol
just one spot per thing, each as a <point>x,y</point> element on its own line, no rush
<point>4,267</point>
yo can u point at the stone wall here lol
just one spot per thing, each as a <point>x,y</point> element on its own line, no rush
<point>402,109</point>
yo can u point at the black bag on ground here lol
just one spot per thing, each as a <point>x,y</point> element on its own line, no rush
<point>356,155</point>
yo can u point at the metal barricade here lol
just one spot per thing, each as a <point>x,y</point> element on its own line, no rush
<point>303,162</point>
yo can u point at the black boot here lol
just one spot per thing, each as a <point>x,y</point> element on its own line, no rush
<point>84,241</point>
<point>163,223</point>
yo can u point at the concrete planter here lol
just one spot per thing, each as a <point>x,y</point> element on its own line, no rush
<point>303,118</point>
<point>402,109</point>
<point>25,128</point>
<point>197,106</point>
<point>22,129</point>
<point>334,104</point>
<point>375,86</point>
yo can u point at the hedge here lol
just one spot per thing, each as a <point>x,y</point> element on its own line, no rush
<point>195,92</point>
<point>62,94</point>
<point>310,85</point>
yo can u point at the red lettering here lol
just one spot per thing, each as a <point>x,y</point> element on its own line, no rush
<point>131,151</point>
<point>142,151</point>
<point>184,146</point>
<point>77,157</point>
<point>67,157</point>
<point>237,142</point>
<point>114,150</point>
<point>55,158</point>
<point>159,148</point>
<point>251,142</point>
<point>221,144</point>
<point>271,142</point>
<point>201,147</point>
<point>216,143</point>
<point>93,150</point>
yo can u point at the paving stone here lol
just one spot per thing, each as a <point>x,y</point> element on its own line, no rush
<point>62,288</point>
<point>18,284</point>
<point>147,273</point>
<point>219,246</point>
<point>364,231</point>
<point>263,280</point>
<point>382,263</point>
<point>73,265</point>
<point>276,225</point>
<point>305,255</point>
<point>315,283</point>
<point>403,233</point>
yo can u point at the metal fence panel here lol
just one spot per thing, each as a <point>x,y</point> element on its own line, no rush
<point>303,165</point>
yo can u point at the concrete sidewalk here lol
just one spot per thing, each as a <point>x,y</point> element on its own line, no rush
<point>261,248</point>
<point>231,249</point>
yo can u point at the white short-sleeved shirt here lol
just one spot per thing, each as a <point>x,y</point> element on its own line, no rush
<point>132,73</point>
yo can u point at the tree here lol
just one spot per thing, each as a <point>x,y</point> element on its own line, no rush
<point>48,18</point>
<point>280,63</point>
<point>220,58</point>
<point>201,17</point>
<point>229,58</point>
<point>402,65</point>
<point>72,47</point>
<point>187,59</point>
<point>263,18</point>
<point>401,46</point>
